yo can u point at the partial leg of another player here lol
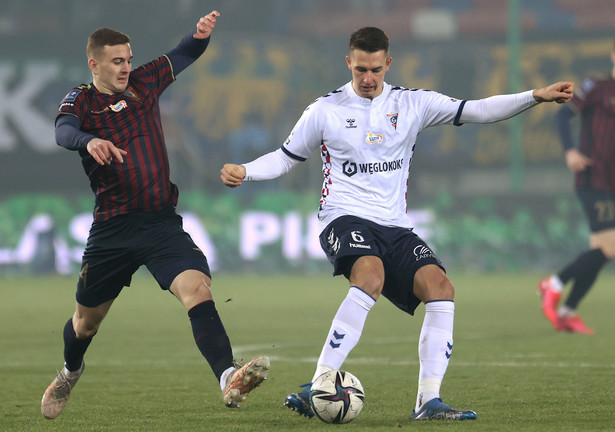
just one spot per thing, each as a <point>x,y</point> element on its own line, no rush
<point>583,271</point>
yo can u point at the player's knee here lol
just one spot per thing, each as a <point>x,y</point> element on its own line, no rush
<point>443,290</point>
<point>433,284</point>
<point>372,284</point>
<point>608,251</point>
<point>191,294</point>
<point>191,288</point>
<point>84,329</point>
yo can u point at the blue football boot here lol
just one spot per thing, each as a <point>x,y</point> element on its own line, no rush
<point>435,409</point>
<point>300,402</point>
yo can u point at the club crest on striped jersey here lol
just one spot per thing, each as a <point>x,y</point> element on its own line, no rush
<point>372,138</point>
<point>393,119</point>
<point>118,106</point>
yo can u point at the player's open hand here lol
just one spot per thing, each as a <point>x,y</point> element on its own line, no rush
<point>206,25</point>
<point>560,92</point>
<point>232,175</point>
<point>104,151</point>
<point>577,161</point>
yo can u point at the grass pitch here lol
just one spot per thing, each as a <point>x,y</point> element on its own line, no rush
<point>144,372</point>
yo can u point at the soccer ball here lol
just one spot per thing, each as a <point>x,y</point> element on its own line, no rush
<point>337,397</point>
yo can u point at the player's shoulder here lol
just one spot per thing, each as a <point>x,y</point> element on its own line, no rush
<point>406,95</point>
<point>76,93</point>
<point>152,67</point>
<point>325,102</point>
<point>400,91</point>
<point>595,83</point>
<point>591,82</point>
<point>333,97</point>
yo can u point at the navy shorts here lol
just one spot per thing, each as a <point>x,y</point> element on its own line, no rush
<point>599,206</point>
<point>402,252</point>
<point>118,247</point>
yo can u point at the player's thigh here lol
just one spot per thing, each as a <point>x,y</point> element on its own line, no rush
<point>347,239</point>
<point>367,273</point>
<point>107,264</point>
<point>604,240</point>
<point>599,207</point>
<point>169,252</point>
<point>414,274</point>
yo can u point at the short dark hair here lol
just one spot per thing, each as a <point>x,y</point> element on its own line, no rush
<point>369,39</point>
<point>102,37</point>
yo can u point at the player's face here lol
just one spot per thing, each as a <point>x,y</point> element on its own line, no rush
<point>368,71</point>
<point>111,68</point>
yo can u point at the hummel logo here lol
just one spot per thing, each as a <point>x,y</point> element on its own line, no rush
<point>334,242</point>
<point>337,336</point>
<point>350,124</point>
<point>450,350</point>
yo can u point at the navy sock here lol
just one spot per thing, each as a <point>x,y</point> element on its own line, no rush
<point>210,337</point>
<point>74,349</point>
<point>579,265</point>
<point>586,269</point>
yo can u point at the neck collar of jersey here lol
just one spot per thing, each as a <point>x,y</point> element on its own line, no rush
<point>367,101</point>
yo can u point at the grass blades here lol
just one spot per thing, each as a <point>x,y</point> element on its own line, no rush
<point>144,372</point>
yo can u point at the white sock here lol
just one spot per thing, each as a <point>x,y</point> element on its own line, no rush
<point>225,376</point>
<point>565,312</point>
<point>320,369</point>
<point>556,283</point>
<point>435,347</point>
<point>345,330</point>
<point>73,374</point>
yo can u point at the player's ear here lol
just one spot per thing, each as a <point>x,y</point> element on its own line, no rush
<point>348,62</point>
<point>92,64</point>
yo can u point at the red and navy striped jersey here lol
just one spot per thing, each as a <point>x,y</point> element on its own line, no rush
<point>131,121</point>
<point>596,103</point>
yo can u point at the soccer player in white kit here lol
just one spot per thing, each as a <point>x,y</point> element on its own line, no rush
<point>366,132</point>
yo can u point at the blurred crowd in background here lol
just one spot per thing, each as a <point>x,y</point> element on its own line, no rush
<point>270,59</point>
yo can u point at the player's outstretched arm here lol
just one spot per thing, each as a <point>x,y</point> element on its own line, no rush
<point>232,175</point>
<point>268,166</point>
<point>560,92</point>
<point>206,25</point>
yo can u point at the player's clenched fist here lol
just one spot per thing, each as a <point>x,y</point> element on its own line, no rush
<point>560,92</point>
<point>232,175</point>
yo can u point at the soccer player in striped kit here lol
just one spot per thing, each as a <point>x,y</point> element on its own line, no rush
<point>593,163</point>
<point>114,124</point>
<point>365,132</point>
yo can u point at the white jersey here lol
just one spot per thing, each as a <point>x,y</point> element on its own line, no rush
<point>366,148</point>
<point>367,145</point>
